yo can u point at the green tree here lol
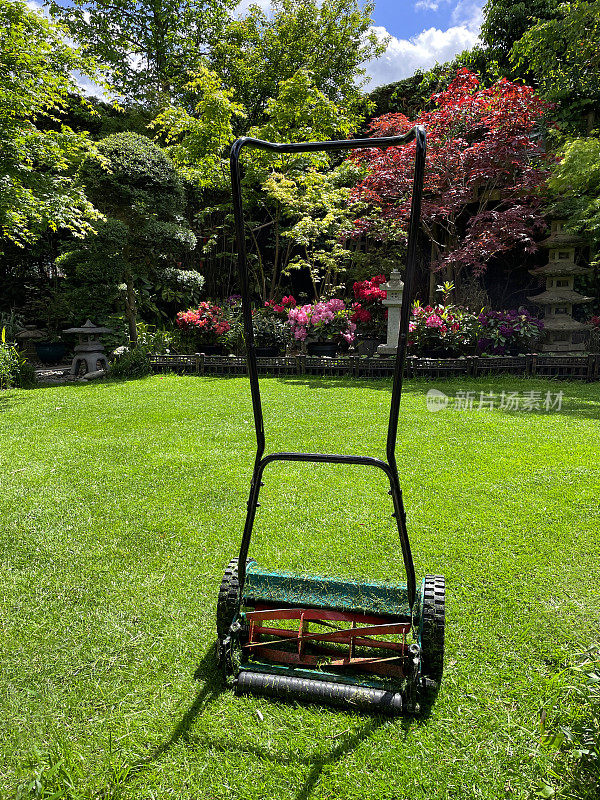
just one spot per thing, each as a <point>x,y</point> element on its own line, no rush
<point>299,112</point>
<point>278,188</point>
<point>576,184</point>
<point>330,39</point>
<point>505,22</point>
<point>144,236</point>
<point>316,207</point>
<point>197,141</point>
<point>150,47</point>
<point>564,56</point>
<point>39,183</point>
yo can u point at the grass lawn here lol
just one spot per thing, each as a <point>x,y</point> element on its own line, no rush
<point>121,504</point>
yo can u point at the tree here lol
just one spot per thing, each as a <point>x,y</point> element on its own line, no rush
<point>483,171</point>
<point>575,182</point>
<point>505,22</point>
<point>197,141</point>
<point>276,188</point>
<point>315,204</point>
<point>563,54</point>
<point>40,186</point>
<point>144,235</point>
<point>149,47</point>
<point>282,188</point>
<point>330,39</point>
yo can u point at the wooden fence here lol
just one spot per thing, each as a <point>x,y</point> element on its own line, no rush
<point>584,367</point>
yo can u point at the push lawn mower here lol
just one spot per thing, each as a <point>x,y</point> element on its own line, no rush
<point>374,646</point>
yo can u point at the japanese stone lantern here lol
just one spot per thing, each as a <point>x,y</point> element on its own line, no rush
<point>90,350</point>
<point>563,333</point>
<point>395,290</point>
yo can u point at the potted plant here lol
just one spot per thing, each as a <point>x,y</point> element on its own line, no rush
<point>442,331</point>
<point>369,314</point>
<point>508,332</point>
<point>270,332</point>
<point>204,328</point>
<point>322,326</point>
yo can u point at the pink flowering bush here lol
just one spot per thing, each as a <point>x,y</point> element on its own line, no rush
<point>442,330</point>
<point>326,320</point>
<point>203,325</point>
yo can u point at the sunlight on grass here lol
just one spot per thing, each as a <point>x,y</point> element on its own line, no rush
<point>121,504</point>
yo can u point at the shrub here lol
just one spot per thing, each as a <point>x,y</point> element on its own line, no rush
<point>11,322</point>
<point>442,330</point>
<point>134,363</point>
<point>270,330</point>
<point>205,325</point>
<point>368,312</point>
<point>15,370</point>
<point>508,332</point>
<point>322,321</point>
<point>156,341</point>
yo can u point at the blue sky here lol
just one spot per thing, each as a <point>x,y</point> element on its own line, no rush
<point>405,19</point>
<point>423,32</point>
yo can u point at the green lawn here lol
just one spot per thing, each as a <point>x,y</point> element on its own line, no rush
<point>121,504</point>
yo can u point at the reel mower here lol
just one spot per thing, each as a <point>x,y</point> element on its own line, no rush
<point>366,645</point>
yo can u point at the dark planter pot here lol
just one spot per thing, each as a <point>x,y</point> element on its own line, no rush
<point>267,352</point>
<point>50,352</point>
<point>367,346</point>
<point>321,349</point>
<point>211,349</point>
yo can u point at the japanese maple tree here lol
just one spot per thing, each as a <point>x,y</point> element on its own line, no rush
<point>485,165</point>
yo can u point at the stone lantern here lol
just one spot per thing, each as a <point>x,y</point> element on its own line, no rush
<point>27,337</point>
<point>563,333</point>
<point>395,290</point>
<point>90,350</point>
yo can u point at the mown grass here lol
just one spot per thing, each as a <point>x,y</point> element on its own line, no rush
<point>121,504</point>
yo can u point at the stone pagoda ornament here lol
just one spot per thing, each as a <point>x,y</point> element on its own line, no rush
<point>563,333</point>
<point>90,350</point>
<point>395,289</point>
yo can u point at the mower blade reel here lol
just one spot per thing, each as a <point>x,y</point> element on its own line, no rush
<point>306,690</point>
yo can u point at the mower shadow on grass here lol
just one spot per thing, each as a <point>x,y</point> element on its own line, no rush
<point>313,763</point>
<point>213,686</point>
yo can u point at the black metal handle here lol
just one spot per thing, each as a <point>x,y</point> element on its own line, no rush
<point>260,462</point>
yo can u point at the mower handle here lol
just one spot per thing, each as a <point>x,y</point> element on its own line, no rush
<point>389,467</point>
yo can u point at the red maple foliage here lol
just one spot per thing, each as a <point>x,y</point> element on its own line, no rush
<point>484,169</point>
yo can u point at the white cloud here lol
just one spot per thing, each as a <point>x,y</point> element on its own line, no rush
<point>404,57</point>
<point>427,5</point>
<point>468,13</point>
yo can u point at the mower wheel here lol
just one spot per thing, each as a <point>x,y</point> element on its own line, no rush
<point>432,636</point>
<point>228,598</point>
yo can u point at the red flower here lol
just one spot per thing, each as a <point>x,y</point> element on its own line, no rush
<point>369,290</point>
<point>360,314</point>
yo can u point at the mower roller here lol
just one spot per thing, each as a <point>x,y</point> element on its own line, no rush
<point>372,646</point>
